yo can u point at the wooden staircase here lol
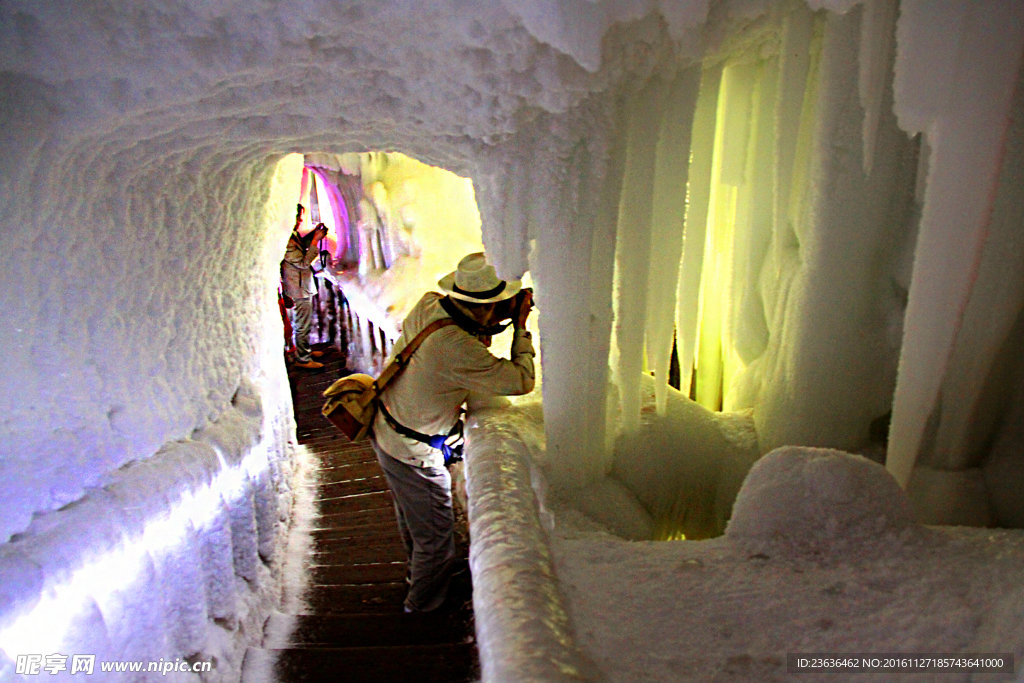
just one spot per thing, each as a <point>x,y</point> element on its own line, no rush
<point>352,628</point>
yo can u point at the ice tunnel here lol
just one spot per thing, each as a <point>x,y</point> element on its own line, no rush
<point>811,208</point>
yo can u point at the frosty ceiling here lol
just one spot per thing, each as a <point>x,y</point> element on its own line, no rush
<point>839,181</point>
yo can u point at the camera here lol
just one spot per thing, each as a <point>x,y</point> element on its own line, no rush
<point>507,309</point>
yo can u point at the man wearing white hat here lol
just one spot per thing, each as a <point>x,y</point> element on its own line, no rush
<point>422,406</point>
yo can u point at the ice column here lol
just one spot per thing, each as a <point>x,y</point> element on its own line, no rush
<point>877,34</point>
<point>632,252</point>
<point>754,221</point>
<point>564,190</point>
<point>796,65</point>
<point>728,178</point>
<point>978,385</point>
<point>506,234</point>
<point>698,192</point>
<point>956,67</point>
<point>671,164</point>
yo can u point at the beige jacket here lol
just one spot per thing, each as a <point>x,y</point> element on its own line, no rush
<point>297,271</point>
<point>449,366</point>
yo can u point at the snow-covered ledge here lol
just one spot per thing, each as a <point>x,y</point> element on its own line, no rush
<point>524,631</point>
<point>174,561</point>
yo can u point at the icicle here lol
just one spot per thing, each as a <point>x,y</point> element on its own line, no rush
<point>793,76</point>
<point>928,42</point>
<point>748,329</point>
<point>304,185</point>
<point>515,224</point>
<point>796,60</point>
<point>668,212</point>
<point>728,176</point>
<point>698,192</point>
<point>921,180</point>
<point>314,200</point>
<point>877,33</point>
<point>572,222</point>
<point>603,218</point>
<point>633,247</point>
<point>966,126</point>
<point>341,221</point>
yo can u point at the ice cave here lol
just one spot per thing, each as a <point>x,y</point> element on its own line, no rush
<point>777,248</point>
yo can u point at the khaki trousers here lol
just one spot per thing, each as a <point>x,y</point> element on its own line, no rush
<point>423,506</point>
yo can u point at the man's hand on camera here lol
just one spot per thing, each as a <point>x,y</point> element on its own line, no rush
<point>524,305</point>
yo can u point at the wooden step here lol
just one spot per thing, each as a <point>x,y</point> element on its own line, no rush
<point>336,457</point>
<point>342,541</point>
<point>327,473</point>
<point>364,598</point>
<point>289,631</point>
<point>343,442</point>
<point>332,436</point>
<point>331,456</point>
<point>388,529</point>
<point>349,518</point>
<point>356,503</point>
<point>347,554</point>
<point>439,663</point>
<point>351,487</point>
<point>367,550</point>
<point>379,572</point>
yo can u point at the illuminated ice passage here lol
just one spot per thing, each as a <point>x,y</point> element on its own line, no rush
<point>817,203</point>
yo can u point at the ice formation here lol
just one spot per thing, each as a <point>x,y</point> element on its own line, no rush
<point>398,226</point>
<point>822,554</point>
<point>818,497</point>
<point>818,201</point>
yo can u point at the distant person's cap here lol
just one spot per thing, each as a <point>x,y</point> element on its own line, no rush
<point>476,281</point>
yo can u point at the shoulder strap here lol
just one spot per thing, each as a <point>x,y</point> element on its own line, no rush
<point>402,359</point>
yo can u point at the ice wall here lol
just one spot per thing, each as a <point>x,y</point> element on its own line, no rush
<point>176,558</point>
<point>957,69</point>
<point>802,215</point>
<point>549,201</point>
<point>139,300</point>
<point>783,292</point>
<point>966,443</point>
<point>571,265</point>
<point>828,281</point>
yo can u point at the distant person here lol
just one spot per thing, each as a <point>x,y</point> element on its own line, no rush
<point>300,286</point>
<point>423,404</point>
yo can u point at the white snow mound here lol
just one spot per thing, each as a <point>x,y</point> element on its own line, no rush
<point>816,496</point>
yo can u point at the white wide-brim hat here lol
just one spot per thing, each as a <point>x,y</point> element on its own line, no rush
<point>476,281</point>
